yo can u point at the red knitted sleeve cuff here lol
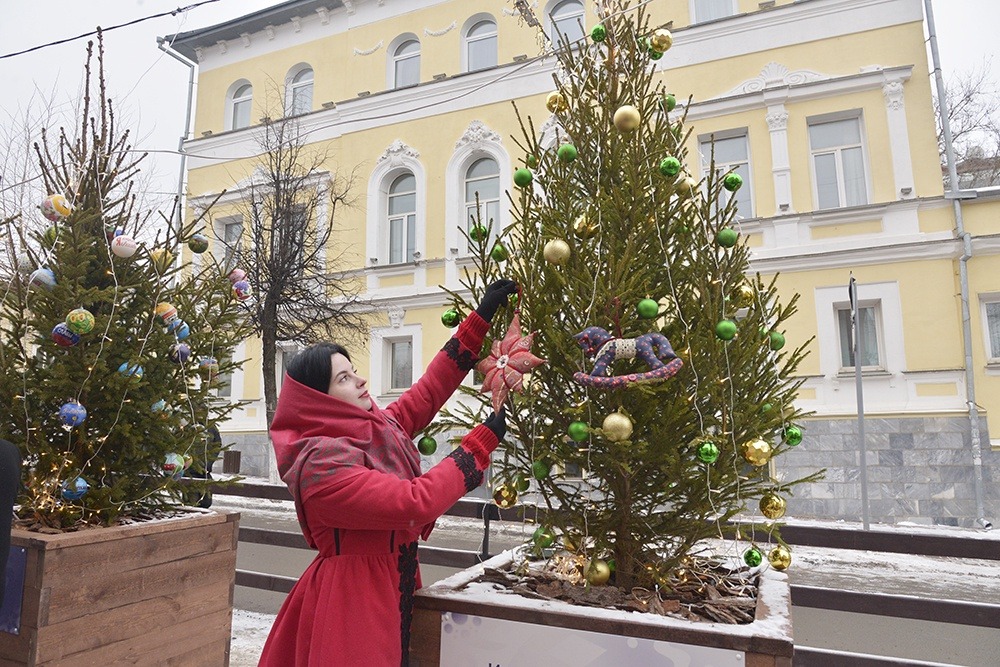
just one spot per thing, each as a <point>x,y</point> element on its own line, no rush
<point>480,442</point>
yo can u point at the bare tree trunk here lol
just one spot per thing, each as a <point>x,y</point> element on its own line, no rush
<point>269,360</point>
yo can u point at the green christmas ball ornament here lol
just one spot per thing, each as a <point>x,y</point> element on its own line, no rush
<point>80,321</point>
<point>450,318</point>
<point>727,237</point>
<point>654,54</point>
<point>792,435</point>
<point>543,537</point>
<point>427,445</point>
<point>540,469</point>
<point>499,252</point>
<point>668,102</point>
<point>478,233</point>
<point>566,152</point>
<point>531,160</point>
<point>598,33</point>
<point>732,182</point>
<point>753,557</point>
<point>670,166</point>
<point>647,309</point>
<point>578,431</point>
<point>725,330</point>
<point>776,340</point>
<point>708,452</point>
<point>521,483</point>
<point>767,407</point>
<point>522,178</point>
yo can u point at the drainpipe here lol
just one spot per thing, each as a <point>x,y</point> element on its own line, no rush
<point>177,214</point>
<point>956,197</point>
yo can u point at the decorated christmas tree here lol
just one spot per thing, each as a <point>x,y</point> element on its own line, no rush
<point>667,387</point>
<point>108,346</point>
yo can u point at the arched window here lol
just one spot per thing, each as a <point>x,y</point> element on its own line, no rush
<point>406,64</point>
<point>240,112</point>
<point>483,178</point>
<point>566,19</point>
<point>300,92</point>
<point>481,46</point>
<point>402,218</point>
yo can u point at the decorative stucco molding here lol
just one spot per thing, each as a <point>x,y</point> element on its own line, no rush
<point>396,153</point>
<point>777,120</point>
<point>396,315</point>
<point>368,52</point>
<point>443,31</point>
<point>774,75</point>
<point>893,91</point>
<point>477,133</point>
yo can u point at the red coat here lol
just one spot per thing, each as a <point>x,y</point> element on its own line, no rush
<point>361,501</point>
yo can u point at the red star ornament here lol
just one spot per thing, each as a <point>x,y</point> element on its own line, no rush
<point>509,360</point>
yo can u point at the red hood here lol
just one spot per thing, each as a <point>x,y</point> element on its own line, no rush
<point>303,413</point>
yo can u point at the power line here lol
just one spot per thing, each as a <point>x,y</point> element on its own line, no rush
<point>173,12</point>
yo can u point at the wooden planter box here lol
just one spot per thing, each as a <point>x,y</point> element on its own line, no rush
<point>158,592</point>
<point>478,626</point>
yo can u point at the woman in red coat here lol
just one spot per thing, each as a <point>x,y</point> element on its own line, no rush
<point>355,476</point>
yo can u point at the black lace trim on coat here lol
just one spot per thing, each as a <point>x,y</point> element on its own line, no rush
<point>466,462</point>
<point>407,566</point>
<point>464,359</point>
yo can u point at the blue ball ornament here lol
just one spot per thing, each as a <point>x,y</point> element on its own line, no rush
<point>180,329</point>
<point>72,413</point>
<point>131,370</point>
<point>179,353</point>
<point>42,277</point>
<point>75,489</point>
<point>173,465</point>
<point>64,336</point>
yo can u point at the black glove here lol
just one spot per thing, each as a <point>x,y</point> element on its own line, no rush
<point>497,422</point>
<point>495,296</point>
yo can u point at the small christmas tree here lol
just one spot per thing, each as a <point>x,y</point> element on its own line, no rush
<point>102,344</point>
<point>668,388</point>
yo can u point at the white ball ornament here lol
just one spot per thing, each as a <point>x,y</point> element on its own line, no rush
<point>55,208</point>
<point>124,246</point>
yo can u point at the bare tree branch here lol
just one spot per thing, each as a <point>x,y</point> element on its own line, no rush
<point>972,98</point>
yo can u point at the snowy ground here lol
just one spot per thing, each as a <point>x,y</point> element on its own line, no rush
<point>897,574</point>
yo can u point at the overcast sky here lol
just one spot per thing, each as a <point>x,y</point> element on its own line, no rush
<point>151,87</point>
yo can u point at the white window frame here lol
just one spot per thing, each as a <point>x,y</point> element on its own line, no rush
<point>985,300</point>
<point>470,206</point>
<point>889,323</point>
<point>694,7</point>
<point>573,18</point>
<point>293,88</point>
<point>380,350</point>
<point>408,222</point>
<point>468,40</point>
<point>232,101</point>
<point>857,116</point>
<point>229,255</point>
<point>705,150</point>
<point>234,379</point>
<point>876,309</point>
<point>376,238</point>
<point>394,58</point>
<point>286,350</point>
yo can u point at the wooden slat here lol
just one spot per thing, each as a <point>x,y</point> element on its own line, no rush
<point>274,538</point>
<point>893,541</point>
<point>898,606</point>
<point>264,581</point>
<point>145,617</point>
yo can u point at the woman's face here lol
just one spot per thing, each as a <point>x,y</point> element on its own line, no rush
<point>346,384</point>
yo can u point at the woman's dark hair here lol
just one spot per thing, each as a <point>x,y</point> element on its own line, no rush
<point>311,366</point>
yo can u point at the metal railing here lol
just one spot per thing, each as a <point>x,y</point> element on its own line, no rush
<point>979,614</point>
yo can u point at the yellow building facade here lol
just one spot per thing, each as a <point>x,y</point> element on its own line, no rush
<point>823,106</point>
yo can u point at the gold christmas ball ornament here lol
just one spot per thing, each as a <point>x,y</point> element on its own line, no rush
<point>627,118</point>
<point>556,252</point>
<point>505,496</point>
<point>661,40</point>
<point>556,102</point>
<point>780,558</point>
<point>617,427</point>
<point>686,185</point>
<point>161,259</point>
<point>584,228</point>
<point>757,451</point>
<point>745,296</point>
<point>598,572</point>
<point>772,506</point>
